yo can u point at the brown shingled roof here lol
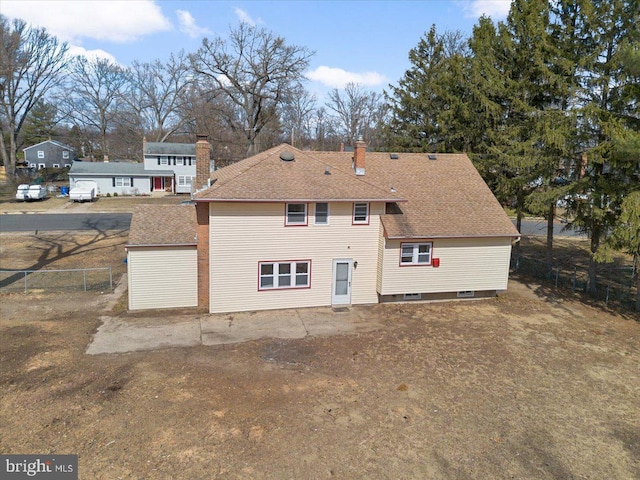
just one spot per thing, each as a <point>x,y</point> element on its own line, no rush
<point>163,225</point>
<point>445,197</point>
<point>266,177</point>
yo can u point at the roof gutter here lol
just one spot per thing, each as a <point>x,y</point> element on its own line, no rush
<point>299,200</point>
<point>431,237</point>
<point>161,245</point>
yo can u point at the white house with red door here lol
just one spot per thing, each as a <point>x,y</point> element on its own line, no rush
<point>178,158</point>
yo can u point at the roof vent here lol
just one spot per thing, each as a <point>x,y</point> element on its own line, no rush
<point>326,170</point>
<point>287,156</point>
<point>393,156</point>
<point>432,156</point>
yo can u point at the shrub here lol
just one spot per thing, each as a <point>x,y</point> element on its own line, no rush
<point>108,194</point>
<point>115,194</point>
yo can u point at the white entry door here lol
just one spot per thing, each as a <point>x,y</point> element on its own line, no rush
<point>341,287</point>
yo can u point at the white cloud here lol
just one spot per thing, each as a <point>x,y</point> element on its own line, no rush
<point>496,9</point>
<point>188,25</point>
<point>91,54</point>
<point>114,20</point>
<point>338,78</point>
<point>244,17</point>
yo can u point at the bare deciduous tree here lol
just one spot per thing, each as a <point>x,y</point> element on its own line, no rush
<point>93,100</point>
<point>255,70</point>
<point>30,64</point>
<point>357,111</point>
<point>158,92</point>
<point>297,116</point>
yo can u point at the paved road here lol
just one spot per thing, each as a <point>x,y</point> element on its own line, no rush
<point>532,227</point>
<point>44,222</point>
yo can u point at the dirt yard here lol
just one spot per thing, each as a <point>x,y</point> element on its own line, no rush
<point>523,386</point>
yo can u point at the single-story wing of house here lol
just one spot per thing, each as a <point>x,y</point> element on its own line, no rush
<point>289,228</point>
<point>123,178</point>
<point>162,257</point>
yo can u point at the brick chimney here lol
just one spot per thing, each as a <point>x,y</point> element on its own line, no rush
<point>359,151</point>
<point>203,169</point>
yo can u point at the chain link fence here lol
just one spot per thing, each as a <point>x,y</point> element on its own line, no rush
<point>75,279</point>
<point>614,284</point>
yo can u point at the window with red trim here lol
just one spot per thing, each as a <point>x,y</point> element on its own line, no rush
<point>415,253</point>
<point>280,275</point>
<point>361,213</point>
<point>296,214</point>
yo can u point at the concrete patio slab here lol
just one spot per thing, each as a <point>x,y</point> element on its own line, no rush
<point>243,327</point>
<point>119,336</point>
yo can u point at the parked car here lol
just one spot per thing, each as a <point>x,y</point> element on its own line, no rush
<point>37,192</point>
<point>30,192</point>
<point>23,192</point>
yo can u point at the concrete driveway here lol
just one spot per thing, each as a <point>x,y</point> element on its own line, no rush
<point>120,335</point>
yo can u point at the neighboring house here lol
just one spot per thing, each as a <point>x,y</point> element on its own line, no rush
<point>167,167</point>
<point>178,158</point>
<point>289,228</point>
<point>123,178</point>
<point>49,154</point>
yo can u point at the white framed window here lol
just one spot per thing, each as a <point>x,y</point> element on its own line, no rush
<point>284,275</point>
<point>361,213</point>
<point>40,153</point>
<point>296,214</point>
<point>179,161</point>
<point>56,165</point>
<point>67,165</point>
<point>41,165</point>
<point>32,165</point>
<point>65,155</point>
<point>184,180</point>
<point>164,161</point>
<point>322,214</point>
<point>415,253</point>
<point>123,182</point>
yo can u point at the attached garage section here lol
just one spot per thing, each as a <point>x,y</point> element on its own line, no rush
<point>165,277</point>
<point>162,257</point>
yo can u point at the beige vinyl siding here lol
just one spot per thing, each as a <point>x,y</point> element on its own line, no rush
<point>381,243</point>
<point>244,234</point>
<point>162,277</point>
<point>465,264</point>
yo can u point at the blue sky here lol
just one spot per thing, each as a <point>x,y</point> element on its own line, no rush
<point>366,42</point>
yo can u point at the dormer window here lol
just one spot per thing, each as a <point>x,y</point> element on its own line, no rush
<point>361,213</point>
<point>296,214</point>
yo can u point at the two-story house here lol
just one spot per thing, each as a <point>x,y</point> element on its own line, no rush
<point>167,167</point>
<point>289,228</point>
<point>178,158</point>
<point>49,154</point>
